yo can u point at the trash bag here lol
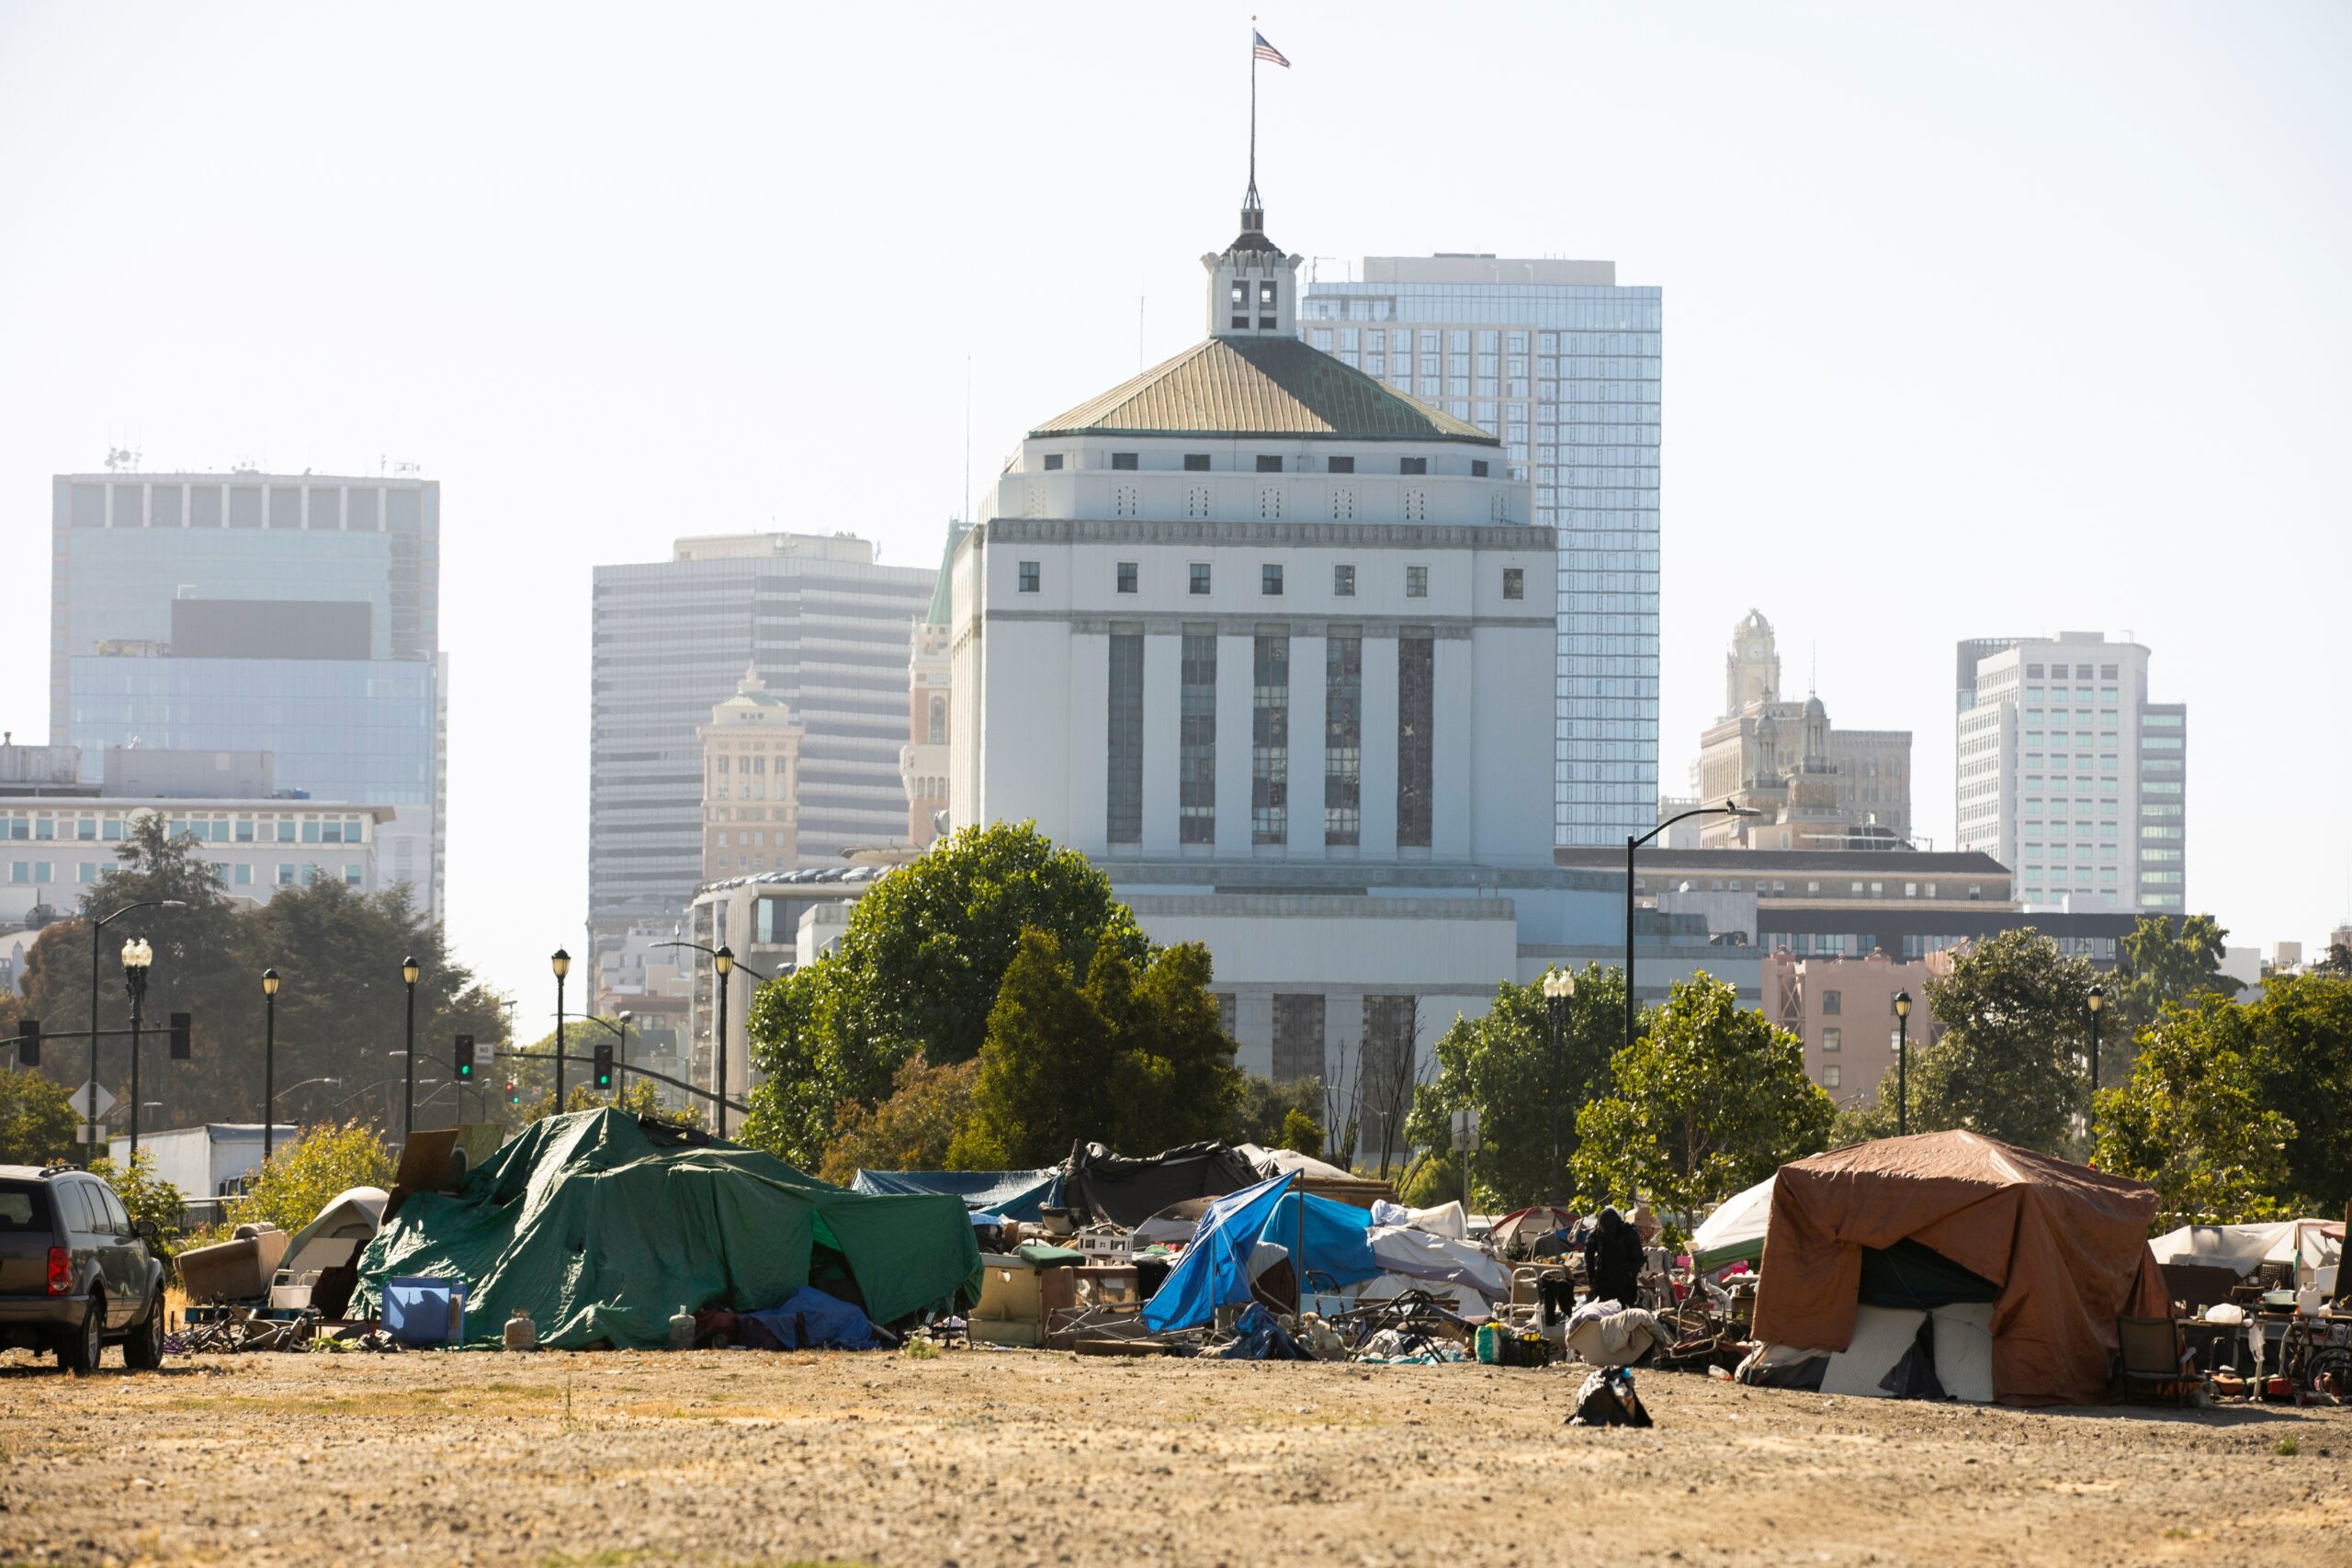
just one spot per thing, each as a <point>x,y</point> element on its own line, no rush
<point>1607,1399</point>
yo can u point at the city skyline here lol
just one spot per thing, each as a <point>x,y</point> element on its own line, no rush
<point>1954,386</point>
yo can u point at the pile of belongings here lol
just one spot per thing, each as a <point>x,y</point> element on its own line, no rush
<point>1609,1334</point>
<point>1946,1264</point>
<point>2304,1256</point>
<point>600,1225</point>
<point>318,1268</point>
<point>1606,1398</point>
<point>808,1319</point>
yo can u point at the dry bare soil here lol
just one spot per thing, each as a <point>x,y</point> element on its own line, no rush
<point>974,1458</point>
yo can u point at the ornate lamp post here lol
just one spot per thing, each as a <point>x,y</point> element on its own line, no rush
<point>1559,986</point>
<point>723,962</point>
<point>409,970</point>
<point>1901,1062</point>
<point>98,929</point>
<point>2097,999</point>
<point>269,982</point>
<point>136,956</point>
<point>560,961</point>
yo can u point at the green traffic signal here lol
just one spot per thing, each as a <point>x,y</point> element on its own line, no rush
<point>464,1056</point>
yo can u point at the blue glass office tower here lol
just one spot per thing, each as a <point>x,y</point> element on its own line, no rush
<point>296,615</point>
<point>1561,362</point>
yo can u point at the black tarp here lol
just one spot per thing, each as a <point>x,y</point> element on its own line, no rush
<point>1099,1186</point>
<point>1914,1276</point>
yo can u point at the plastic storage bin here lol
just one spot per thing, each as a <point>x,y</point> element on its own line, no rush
<point>421,1309</point>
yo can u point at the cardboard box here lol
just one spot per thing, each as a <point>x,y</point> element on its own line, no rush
<point>1000,1331</point>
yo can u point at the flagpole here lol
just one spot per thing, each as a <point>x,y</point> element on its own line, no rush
<point>1253,106</point>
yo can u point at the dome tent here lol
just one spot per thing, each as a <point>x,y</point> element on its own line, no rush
<point>602,1224</point>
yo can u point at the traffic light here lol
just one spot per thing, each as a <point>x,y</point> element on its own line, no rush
<point>464,1053</point>
<point>604,1064</point>
<point>183,1026</point>
<point>28,1042</point>
<point>513,1092</point>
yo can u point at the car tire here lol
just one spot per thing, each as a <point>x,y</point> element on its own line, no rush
<point>80,1352</point>
<point>142,1348</point>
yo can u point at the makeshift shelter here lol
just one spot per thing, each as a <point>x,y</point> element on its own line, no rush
<point>1100,1186</point>
<point>1735,1231</point>
<point>1015,1194</point>
<point>2307,1245</point>
<point>334,1240</point>
<point>1215,1269</point>
<point>601,1226</point>
<point>1530,1226</point>
<point>1953,1219</point>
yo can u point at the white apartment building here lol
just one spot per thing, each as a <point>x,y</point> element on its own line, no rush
<point>51,851</point>
<point>2067,774</point>
<point>1273,642</point>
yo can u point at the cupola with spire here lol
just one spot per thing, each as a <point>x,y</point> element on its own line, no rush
<point>1253,287</point>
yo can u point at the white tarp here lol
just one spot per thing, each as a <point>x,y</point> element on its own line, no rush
<point>355,1215</point>
<point>1446,1220</point>
<point>1282,1162</point>
<point>2309,1244</point>
<point>1735,1230</point>
<point>1417,1254</point>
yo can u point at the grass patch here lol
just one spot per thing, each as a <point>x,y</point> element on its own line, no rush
<point>922,1350</point>
<point>2287,1447</point>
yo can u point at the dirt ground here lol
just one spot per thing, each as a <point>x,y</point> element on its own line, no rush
<point>973,1459</point>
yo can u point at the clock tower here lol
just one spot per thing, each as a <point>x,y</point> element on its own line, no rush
<point>1752,671</point>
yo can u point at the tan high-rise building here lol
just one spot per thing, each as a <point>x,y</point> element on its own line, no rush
<point>750,783</point>
<point>1813,786</point>
<point>922,765</point>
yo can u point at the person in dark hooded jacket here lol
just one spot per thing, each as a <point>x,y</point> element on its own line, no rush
<point>1612,1260</point>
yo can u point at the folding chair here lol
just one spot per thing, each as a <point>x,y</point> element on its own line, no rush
<point>2150,1360</point>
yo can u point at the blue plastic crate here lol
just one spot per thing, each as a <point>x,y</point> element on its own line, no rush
<point>422,1309</point>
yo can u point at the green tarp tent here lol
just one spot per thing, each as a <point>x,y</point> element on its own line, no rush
<point>601,1227</point>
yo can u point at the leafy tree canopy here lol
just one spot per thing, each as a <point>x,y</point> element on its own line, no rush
<point>1301,1134</point>
<point>36,1124</point>
<point>912,1130</point>
<point>1265,1107</point>
<point>918,967</point>
<point>2192,1123</point>
<point>2010,1064</point>
<point>2159,964</point>
<point>1133,1055</point>
<point>2302,1057</point>
<point>1501,1064</point>
<point>1710,1098</point>
<point>341,1008</point>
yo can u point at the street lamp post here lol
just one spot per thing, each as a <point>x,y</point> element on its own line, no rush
<point>1632,844</point>
<point>1558,987</point>
<point>1901,1062</point>
<point>2097,999</point>
<point>409,970</point>
<point>560,961</point>
<point>269,984</point>
<point>91,1116</point>
<point>136,956</point>
<point>723,962</point>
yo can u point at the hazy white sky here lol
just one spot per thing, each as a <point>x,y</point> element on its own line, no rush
<point>1984,319</point>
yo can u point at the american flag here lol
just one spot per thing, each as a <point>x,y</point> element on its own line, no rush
<point>1264,50</point>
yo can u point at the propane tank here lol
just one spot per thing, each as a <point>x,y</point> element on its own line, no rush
<point>682,1330</point>
<point>522,1334</point>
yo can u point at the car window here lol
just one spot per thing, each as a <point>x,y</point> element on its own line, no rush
<point>21,1207</point>
<point>115,1217</point>
<point>81,1214</point>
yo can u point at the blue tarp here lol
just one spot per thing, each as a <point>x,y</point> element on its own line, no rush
<point>1215,1271</point>
<point>1015,1194</point>
<point>809,1320</point>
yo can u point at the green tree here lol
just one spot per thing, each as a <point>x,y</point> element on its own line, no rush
<point>912,1130</point>
<point>305,1176</point>
<point>2192,1122</point>
<point>340,1010</point>
<point>145,1196</point>
<point>2010,1064</point>
<point>638,1097</point>
<point>1499,1065</point>
<point>2303,1061</point>
<point>1708,1100</point>
<point>918,967</point>
<point>1301,1134</point>
<point>36,1124</point>
<point>1132,1056</point>
<point>1265,1106</point>
<point>2336,962</point>
<point>2158,965</point>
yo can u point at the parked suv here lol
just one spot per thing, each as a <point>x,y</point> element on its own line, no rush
<point>75,1276</point>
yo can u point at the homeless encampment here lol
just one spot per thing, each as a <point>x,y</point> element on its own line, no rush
<point>1225,1255</point>
<point>2044,1255</point>
<point>1014,1194</point>
<point>2306,1246</point>
<point>601,1226</point>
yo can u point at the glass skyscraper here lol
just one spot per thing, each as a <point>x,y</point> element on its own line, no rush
<point>1561,363</point>
<point>297,614</point>
<point>826,627</point>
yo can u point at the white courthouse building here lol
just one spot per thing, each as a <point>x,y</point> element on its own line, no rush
<point>1273,644</point>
